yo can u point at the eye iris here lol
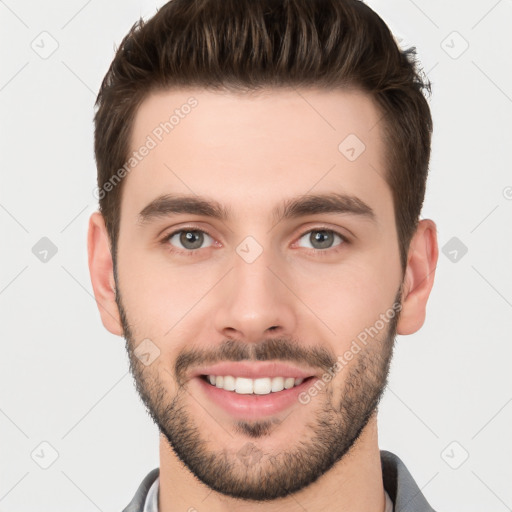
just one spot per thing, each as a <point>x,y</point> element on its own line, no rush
<point>193,237</point>
<point>323,238</point>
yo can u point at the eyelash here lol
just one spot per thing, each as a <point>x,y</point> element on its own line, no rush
<point>316,252</point>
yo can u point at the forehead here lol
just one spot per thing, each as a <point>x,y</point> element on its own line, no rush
<point>251,150</point>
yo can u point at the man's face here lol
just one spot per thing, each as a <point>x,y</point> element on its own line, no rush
<point>258,287</point>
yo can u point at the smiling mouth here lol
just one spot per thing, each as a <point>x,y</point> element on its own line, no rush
<point>259,386</point>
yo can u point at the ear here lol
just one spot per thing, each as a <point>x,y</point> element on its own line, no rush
<point>102,273</point>
<point>419,277</point>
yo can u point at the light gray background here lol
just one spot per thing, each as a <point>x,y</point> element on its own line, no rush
<point>64,379</point>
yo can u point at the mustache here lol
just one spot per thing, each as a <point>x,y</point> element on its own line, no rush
<point>275,349</point>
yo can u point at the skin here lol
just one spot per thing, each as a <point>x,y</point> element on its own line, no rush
<point>250,153</point>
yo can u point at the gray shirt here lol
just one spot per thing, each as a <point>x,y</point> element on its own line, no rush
<point>402,492</point>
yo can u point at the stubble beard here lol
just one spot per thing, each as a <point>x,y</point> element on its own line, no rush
<point>247,472</point>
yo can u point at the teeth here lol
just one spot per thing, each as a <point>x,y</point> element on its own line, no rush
<point>243,386</point>
<point>262,386</point>
<point>277,384</point>
<point>289,383</point>
<point>229,383</point>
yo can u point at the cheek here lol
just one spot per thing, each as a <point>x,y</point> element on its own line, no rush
<point>161,299</point>
<point>347,297</point>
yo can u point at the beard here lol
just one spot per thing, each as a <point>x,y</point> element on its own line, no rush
<point>248,473</point>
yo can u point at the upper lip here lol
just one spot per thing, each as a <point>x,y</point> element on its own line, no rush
<point>253,370</point>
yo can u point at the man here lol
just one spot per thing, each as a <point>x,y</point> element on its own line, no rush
<point>261,172</point>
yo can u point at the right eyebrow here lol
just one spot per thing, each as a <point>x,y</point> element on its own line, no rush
<point>166,205</point>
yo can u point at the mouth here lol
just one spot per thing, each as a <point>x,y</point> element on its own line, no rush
<point>259,386</point>
<point>251,399</point>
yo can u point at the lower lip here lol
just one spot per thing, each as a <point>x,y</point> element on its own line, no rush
<point>253,406</point>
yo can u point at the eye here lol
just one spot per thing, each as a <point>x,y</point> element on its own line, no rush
<point>322,238</point>
<point>190,239</point>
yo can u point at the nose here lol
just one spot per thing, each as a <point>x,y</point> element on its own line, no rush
<point>254,300</point>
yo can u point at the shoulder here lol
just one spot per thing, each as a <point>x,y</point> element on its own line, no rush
<point>401,486</point>
<point>138,500</point>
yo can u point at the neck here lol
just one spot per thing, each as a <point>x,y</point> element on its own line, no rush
<point>353,484</point>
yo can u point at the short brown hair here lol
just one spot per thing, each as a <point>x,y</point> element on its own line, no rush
<point>248,45</point>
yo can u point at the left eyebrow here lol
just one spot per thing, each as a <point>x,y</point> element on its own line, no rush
<point>309,204</point>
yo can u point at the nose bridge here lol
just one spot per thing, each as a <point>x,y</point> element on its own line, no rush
<point>253,298</point>
<point>252,277</point>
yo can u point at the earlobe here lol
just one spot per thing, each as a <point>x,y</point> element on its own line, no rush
<point>419,277</point>
<point>102,273</point>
